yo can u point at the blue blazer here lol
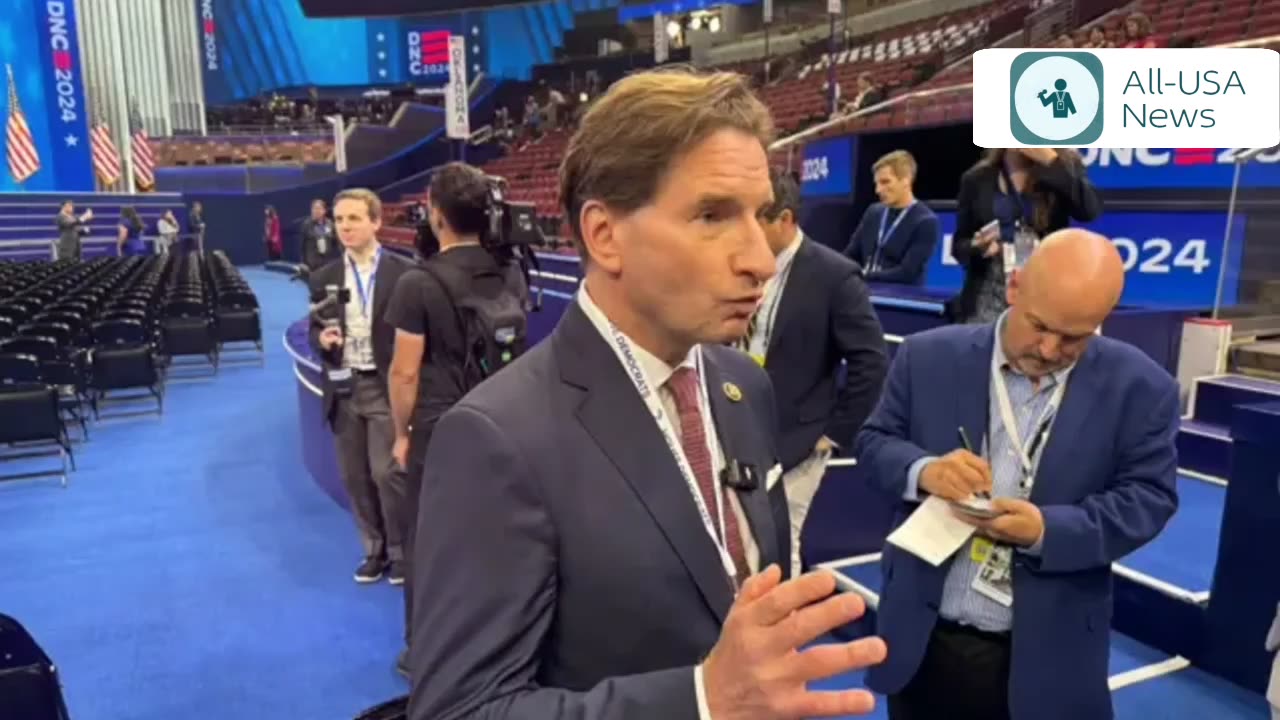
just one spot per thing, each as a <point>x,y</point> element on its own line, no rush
<point>569,573</point>
<point>1106,486</point>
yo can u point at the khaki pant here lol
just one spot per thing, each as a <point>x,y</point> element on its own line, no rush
<point>801,483</point>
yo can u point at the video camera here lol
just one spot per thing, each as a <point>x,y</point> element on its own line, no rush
<point>511,232</point>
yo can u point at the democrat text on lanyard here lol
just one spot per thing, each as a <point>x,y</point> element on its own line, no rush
<point>622,347</point>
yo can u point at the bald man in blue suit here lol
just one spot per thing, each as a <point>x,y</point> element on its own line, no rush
<point>1079,431</point>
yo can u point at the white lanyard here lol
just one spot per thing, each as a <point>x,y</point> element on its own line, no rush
<point>622,347</point>
<point>1040,438</point>
<point>771,313</point>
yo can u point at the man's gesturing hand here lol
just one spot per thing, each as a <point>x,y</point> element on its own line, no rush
<point>758,671</point>
<point>956,476</point>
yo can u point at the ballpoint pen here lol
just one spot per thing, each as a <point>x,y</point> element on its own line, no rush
<point>964,440</point>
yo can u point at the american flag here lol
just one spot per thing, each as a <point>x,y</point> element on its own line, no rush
<point>24,161</point>
<point>106,159</point>
<point>144,161</point>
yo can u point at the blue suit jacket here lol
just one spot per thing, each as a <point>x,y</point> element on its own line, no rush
<point>566,572</point>
<point>1106,486</point>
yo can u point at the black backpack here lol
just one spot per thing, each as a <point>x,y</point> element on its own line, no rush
<point>29,687</point>
<point>493,325</point>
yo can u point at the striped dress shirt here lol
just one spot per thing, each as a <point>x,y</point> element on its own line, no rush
<point>960,602</point>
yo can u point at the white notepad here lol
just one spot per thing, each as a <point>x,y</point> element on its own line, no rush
<point>933,532</point>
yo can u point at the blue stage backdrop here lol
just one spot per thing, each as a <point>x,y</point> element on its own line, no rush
<point>38,41</point>
<point>255,46</point>
<point>827,168</point>
<point>273,45</point>
<point>1171,258</point>
<point>1194,168</point>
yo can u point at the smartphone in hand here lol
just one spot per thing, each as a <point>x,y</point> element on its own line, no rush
<point>976,507</point>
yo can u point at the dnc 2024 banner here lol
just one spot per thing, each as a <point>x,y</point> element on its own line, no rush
<point>1171,259</point>
<point>38,42</point>
<point>1190,168</point>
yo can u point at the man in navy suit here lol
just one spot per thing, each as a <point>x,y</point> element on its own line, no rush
<point>1076,436</point>
<point>896,236</point>
<point>816,316</point>
<point>596,539</point>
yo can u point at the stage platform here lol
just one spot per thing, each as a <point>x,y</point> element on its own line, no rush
<point>28,229</point>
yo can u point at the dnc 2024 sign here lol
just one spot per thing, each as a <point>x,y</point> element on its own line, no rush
<point>1193,168</point>
<point>1171,259</point>
<point>827,168</point>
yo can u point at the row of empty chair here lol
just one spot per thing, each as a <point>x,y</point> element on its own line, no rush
<point>75,336</point>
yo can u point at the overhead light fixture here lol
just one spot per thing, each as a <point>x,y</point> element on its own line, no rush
<point>673,29</point>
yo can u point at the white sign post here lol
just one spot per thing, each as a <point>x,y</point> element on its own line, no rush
<point>660,46</point>
<point>457,101</point>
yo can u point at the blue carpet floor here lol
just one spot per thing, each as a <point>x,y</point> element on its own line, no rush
<point>191,569</point>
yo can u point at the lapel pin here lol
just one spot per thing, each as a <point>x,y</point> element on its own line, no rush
<point>733,392</point>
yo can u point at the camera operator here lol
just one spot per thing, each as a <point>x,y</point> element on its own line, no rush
<point>349,297</point>
<point>471,282</point>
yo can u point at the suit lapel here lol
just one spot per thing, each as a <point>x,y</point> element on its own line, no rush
<point>789,303</point>
<point>618,420</point>
<point>384,283</point>
<point>736,428</point>
<point>973,399</point>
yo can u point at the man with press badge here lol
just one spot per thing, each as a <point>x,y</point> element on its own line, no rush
<point>349,298</point>
<point>1028,455</point>
<point>815,315</point>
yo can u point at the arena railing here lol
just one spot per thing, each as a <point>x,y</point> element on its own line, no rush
<point>836,123</point>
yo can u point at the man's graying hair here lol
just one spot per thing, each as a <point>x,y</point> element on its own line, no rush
<point>631,135</point>
<point>786,195</point>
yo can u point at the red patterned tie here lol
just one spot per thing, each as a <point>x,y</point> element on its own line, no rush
<point>693,438</point>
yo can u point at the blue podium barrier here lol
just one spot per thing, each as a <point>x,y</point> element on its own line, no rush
<point>1246,585</point>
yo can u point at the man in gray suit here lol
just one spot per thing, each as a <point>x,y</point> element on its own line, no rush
<point>595,534</point>
<point>70,228</point>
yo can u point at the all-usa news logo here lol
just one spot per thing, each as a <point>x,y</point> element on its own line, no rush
<point>1207,97</point>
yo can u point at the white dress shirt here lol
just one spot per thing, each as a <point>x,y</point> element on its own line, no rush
<point>357,345</point>
<point>767,315</point>
<point>658,372</point>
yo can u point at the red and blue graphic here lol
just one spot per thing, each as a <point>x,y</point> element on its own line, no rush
<point>428,53</point>
<point>39,40</point>
<point>1171,259</point>
<point>1191,168</point>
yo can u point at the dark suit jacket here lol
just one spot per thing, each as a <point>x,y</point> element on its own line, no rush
<point>824,317</point>
<point>390,267</point>
<point>1106,485</point>
<point>569,573</point>
<point>975,207</point>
